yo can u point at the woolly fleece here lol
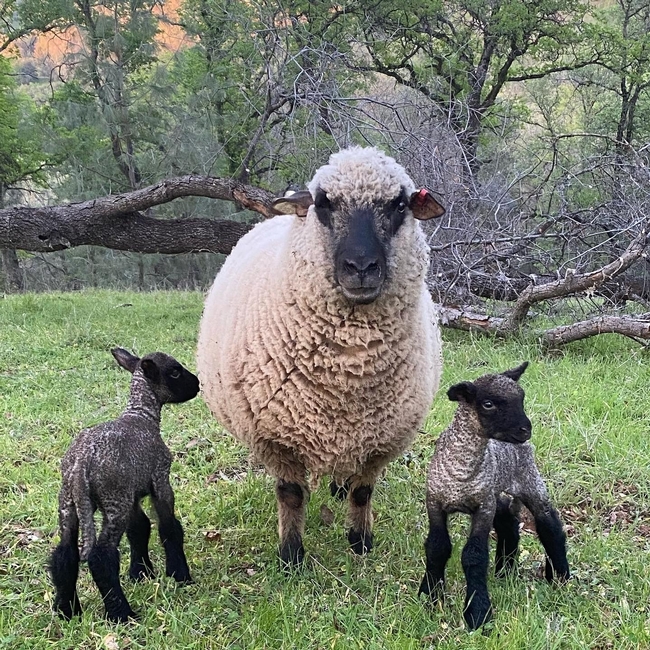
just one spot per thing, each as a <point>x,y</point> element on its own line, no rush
<point>308,381</point>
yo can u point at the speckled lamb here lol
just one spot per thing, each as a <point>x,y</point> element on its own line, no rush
<point>484,465</point>
<point>319,346</point>
<point>111,467</point>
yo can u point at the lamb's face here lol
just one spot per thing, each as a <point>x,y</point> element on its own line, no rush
<point>498,402</point>
<point>170,380</point>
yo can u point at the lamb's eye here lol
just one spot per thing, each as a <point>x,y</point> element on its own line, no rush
<point>488,405</point>
<point>175,374</point>
<point>401,208</point>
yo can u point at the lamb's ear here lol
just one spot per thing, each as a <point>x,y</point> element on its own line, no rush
<point>125,359</point>
<point>297,203</point>
<point>465,392</point>
<point>150,370</point>
<point>515,373</point>
<point>424,206</point>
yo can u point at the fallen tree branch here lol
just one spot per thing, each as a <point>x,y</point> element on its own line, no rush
<point>573,283</point>
<point>463,318</point>
<point>635,328</point>
<point>116,222</point>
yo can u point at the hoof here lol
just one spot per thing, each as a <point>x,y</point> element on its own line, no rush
<point>477,612</point>
<point>141,572</point>
<point>67,609</point>
<point>122,616</point>
<point>435,591</point>
<point>360,543</point>
<point>292,557</point>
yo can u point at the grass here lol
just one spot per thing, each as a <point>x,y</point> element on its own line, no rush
<point>589,407</point>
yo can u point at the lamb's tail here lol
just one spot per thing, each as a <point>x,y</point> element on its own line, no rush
<point>84,513</point>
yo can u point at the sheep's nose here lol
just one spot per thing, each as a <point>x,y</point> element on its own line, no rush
<point>526,432</point>
<point>361,266</point>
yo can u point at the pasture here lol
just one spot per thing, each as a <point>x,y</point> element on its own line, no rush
<point>590,410</point>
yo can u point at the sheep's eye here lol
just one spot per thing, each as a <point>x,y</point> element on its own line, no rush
<point>401,208</point>
<point>175,374</point>
<point>488,405</point>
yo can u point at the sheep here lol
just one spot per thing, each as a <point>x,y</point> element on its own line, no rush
<point>111,467</point>
<point>319,346</point>
<point>483,465</point>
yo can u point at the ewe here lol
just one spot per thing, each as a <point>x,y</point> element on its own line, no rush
<point>111,467</point>
<point>484,465</point>
<point>319,346</point>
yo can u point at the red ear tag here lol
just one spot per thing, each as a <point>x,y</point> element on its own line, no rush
<point>421,198</point>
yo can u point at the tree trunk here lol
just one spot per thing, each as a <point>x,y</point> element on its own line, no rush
<point>12,271</point>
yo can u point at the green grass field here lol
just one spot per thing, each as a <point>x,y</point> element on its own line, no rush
<point>589,406</point>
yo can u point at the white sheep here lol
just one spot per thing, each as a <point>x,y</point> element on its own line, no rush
<point>319,346</point>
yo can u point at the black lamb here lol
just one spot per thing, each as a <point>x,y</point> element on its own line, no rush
<point>484,465</point>
<point>111,467</point>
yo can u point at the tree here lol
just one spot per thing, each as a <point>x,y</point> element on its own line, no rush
<point>21,159</point>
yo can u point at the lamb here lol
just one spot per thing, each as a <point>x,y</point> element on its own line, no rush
<point>484,465</point>
<point>111,467</point>
<point>319,346</point>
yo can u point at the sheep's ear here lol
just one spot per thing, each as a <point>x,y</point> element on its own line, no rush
<point>465,392</point>
<point>125,359</point>
<point>297,203</point>
<point>515,373</point>
<point>424,206</point>
<point>150,370</point>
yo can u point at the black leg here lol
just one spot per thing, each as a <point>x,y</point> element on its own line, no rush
<point>506,525</point>
<point>475,560</point>
<point>438,550</point>
<point>360,535</point>
<point>138,532</point>
<point>171,537</point>
<point>104,565</point>
<point>551,535</point>
<point>340,492</point>
<point>64,569</point>
<point>291,518</point>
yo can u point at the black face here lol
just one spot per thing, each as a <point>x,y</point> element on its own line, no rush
<point>503,418</point>
<point>501,414</point>
<point>361,236</point>
<point>172,382</point>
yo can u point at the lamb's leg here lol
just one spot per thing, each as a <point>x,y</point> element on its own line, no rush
<point>104,562</point>
<point>64,561</point>
<point>506,525</point>
<point>138,532</point>
<point>438,550</point>
<point>551,534</point>
<point>292,498</point>
<point>340,491</point>
<point>170,530</point>
<point>360,505</point>
<point>475,559</point>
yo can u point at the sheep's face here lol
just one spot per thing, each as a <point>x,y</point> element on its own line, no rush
<point>361,233</point>
<point>498,402</point>
<point>170,381</point>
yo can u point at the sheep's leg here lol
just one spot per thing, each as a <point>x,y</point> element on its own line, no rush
<point>438,550</point>
<point>475,559</point>
<point>506,525</point>
<point>551,534</point>
<point>170,530</point>
<point>138,532</point>
<point>104,562</point>
<point>360,505</point>
<point>292,498</point>
<point>64,561</point>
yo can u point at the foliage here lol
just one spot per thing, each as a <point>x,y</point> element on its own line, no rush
<point>589,428</point>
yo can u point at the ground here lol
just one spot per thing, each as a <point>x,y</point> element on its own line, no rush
<point>589,408</point>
